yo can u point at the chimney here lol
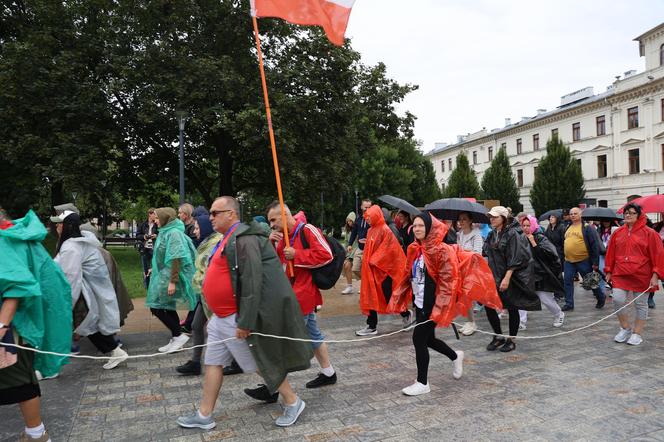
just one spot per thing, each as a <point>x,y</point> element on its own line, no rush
<point>508,121</point>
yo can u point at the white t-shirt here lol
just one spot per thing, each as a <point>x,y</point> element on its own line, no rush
<point>417,281</point>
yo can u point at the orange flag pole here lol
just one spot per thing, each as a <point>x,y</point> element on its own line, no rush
<point>275,161</point>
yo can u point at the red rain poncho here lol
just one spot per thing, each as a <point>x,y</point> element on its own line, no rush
<point>461,277</point>
<point>383,257</point>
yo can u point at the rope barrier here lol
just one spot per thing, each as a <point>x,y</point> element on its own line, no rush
<point>329,341</point>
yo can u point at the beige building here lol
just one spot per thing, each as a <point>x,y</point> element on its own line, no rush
<point>617,135</point>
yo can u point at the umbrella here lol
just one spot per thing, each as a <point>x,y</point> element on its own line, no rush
<point>600,214</point>
<point>400,204</point>
<point>545,216</point>
<point>450,208</point>
<point>649,204</point>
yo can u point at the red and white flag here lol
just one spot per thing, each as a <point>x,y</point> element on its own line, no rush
<point>332,15</point>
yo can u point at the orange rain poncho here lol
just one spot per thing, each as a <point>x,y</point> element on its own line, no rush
<point>461,277</point>
<point>383,257</point>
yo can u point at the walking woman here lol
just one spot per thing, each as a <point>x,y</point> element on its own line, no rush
<point>96,311</point>
<point>605,230</point>
<point>348,263</point>
<point>171,275</point>
<point>432,284</point>
<point>547,270</point>
<point>469,238</point>
<point>555,233</point>
<point>634,264</point>
<point>512,265</point>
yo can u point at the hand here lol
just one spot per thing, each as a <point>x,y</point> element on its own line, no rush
<point>171,288</point>
<point>607,278</point>
<point>2,332</point>
<point>289,253</point>
<point>654,281</point>
<point>531,238</point>
<point>276,236</point>
<point>149,272</point>
<point>242,333</point>
<point>362,241</point>
<point>504,284</point>
<point>349,249</point>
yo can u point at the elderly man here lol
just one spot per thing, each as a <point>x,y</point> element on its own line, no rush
<point>247,291</point>
<point>185,213</point>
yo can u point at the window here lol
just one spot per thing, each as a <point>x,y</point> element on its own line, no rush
<point>601,166</point>
<point>662,156</point>
<point>661,55</point>
<point>474,157</point>
<point>633,117</point>
<point>600,123</point>
<point>602,203</point>
<point>490,153</point>
<point>634,165</point>
<point>578,161</point>
<point>519,146</point>
<point>503,145</point>
<point>442,166</point>
<point>576,131</point>
<point>519,177</point>
<point>535,171</point>
<point>536,142</point>
<point>554,133</point>
<point>662,110</point>
<point>449,164</point>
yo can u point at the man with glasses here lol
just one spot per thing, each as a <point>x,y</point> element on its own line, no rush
<point>582,252</point>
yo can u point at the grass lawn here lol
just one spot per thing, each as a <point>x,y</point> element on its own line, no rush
<point>129,262</point>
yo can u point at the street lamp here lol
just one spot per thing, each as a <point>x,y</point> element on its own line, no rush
<point>103,201</point>
<point>181,116</point>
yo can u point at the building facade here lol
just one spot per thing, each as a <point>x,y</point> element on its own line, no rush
<point>617,136</point>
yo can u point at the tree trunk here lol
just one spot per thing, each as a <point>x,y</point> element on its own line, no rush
<point>57,193</point>
<point>223,144</point>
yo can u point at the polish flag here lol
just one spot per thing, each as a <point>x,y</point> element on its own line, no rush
<point>332,15</point>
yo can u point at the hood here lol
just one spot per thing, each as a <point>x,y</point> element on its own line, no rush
<point>199,211</point>
<point>87,238</point>
<point>204,226</point>
<point>374,216</point>
<point>253,228</point>
<point>28,228</point>
<point>436,234</point>
<point>300,217</point>
<point>640,223</point>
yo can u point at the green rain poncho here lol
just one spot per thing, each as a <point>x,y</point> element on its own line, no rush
<point>171,244</point>
<point>44,315</point>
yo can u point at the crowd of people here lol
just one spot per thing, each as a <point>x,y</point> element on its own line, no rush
<point>240,280</point>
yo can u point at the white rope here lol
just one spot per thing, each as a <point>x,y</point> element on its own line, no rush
<point>329,341</point>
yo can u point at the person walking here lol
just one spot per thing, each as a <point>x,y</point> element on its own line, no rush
<point>605,229</point>
<point>469,238</point>
<point>634,264</point>
<point>359,233</point>
<point>247,291</point>
<point>547,271</point>
<point>146,235</point>
<point>582,253</point>
<point>171,275</point>
<point>186,215</point>
<point>405,229</point>
<point>555,233</point>
<point>511,263</point>
<point>348,263</point>
<point>96,310</point>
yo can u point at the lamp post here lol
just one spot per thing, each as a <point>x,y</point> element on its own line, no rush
<point>103,202</point>
<point>357,202</point>
<point>181,116</point>
<point>73,196</point>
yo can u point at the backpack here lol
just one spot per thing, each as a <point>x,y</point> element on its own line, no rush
<point>325,277</point>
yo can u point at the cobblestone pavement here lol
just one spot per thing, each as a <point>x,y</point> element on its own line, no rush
<point>577,387</point>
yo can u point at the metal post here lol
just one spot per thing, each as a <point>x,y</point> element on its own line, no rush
<point>357,202</point>
<point>181,117</point>
<point>322,212</point>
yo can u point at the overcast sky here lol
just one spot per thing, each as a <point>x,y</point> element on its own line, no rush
<point>479,61</point>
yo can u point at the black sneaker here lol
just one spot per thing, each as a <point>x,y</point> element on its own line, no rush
<point>322,380</point>
<point>567,308</point>
<point>600,303</point>
<point>190,368</point>
<point>234,368</point>
<point>651,303</point>
<point>495,343</point>
<point>508,346</point>
<point>261,393</point>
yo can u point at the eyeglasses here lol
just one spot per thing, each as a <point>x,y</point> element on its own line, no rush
<point>214,213</point>
<point>631,212</point>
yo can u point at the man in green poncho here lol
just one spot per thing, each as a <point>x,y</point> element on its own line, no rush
<point>247,291</point>
<point>35,311</point>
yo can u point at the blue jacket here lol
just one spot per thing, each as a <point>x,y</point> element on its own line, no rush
<point>359,232</point>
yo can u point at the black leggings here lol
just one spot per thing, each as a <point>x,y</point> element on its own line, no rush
<point>424,337</point>
<point>386,286</point>
<point>494,320</point>
<point>169,318</point>
<point>104,343</point>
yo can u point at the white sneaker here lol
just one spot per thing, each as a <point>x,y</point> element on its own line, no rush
<point>468,328</point>
<point>502,314</point>
<point>165,348</point>
<point>560,320</point>
<point>366,331</point>
<point>119,356</point>
<point>458,365</point>
<point>178,343</point>
<point>522,325</point>
<point>416,389</point>
<point>407,319</point>
<point>348,290</point>
<point>41,377</point>
<point>635,339</point>
<point>623,335</point>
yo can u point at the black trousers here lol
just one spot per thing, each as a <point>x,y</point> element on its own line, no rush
<point>494,320</point>
<point>104,343</point>
<point>424,338</point>
<point>169,318</point>
<point>372,318</point>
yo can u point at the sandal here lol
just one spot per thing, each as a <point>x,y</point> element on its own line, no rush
<point>508,346</point>
<point>495,343</point>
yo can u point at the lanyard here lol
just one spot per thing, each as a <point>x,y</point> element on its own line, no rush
<point>222,243</point>
<point>414,270</point>
<point>297,229</point>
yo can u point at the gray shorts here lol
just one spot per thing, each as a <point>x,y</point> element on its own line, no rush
<point>622,297</point>
<point>223,354</point>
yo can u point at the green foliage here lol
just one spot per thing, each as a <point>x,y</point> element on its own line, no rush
<point>558,179</point>
<point>463,182</point>
<point>498,183</point>
<point>131,269</point>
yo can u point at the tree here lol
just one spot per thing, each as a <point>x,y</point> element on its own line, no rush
<point>558,179</point>
<point>498,183</point>
<point>463,182</point>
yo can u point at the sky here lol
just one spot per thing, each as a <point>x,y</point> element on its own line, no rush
<point>478,62</point>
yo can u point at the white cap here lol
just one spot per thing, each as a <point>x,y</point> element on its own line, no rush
<point>499,211</point>
<point>60,218</point>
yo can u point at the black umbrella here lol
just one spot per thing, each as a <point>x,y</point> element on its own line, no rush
<point>450,208</point>
<point>600,214</point>
<point>545,216</point>
<point>400,204</point>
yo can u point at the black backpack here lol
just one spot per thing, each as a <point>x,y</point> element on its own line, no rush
<point>325,277</point>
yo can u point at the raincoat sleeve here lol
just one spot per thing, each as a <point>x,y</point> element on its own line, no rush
<point>70,260</point>
<point>318,254</point>
<point>547,252</point>
<point>16,281</point>
<point>476,282</point>
<point>610,256</point>
<point>517,250</point>
<point>250,280</point>
<point>656,251</point>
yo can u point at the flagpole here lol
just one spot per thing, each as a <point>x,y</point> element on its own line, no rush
<point>273,145</point>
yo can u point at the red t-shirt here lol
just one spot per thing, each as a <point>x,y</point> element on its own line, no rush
<point>218,288</point>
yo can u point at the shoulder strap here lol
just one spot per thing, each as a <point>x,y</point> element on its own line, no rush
<point>303,237</point>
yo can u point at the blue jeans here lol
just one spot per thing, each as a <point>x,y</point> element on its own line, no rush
<point>571,269</point>
<point>314,332</point>
<point>602,282</point>
<point>146,261</point>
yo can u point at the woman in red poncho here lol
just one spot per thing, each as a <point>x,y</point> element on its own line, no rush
<point>433,282</point>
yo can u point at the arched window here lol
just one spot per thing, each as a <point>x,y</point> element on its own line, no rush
<point>661,55</point>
